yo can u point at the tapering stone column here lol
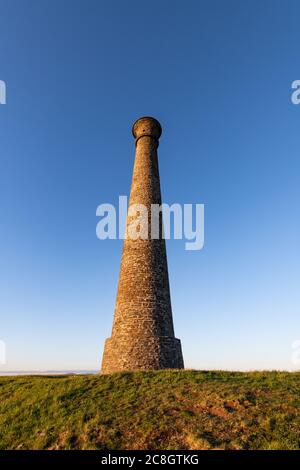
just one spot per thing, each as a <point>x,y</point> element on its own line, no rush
<point>143,334</point>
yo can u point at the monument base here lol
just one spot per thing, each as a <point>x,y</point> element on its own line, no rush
<point>147,353</point>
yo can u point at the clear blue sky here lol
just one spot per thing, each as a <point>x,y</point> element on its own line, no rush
<point>217,74</point>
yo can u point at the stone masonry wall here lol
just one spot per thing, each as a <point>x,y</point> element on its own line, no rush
<point>143,333</point>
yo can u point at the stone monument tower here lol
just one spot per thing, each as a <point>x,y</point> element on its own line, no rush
<point>143,333</point>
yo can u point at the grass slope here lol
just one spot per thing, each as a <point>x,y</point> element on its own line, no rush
<point>151,410</point>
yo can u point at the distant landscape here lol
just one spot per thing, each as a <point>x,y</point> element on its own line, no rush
<point>167,409</point>
<point>48,372</point>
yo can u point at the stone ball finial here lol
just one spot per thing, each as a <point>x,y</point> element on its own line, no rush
<point>146,126</point>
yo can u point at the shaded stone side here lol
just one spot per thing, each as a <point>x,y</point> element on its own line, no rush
<point>143,333</point>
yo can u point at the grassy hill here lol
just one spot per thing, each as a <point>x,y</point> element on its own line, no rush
<point>151,410</point>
